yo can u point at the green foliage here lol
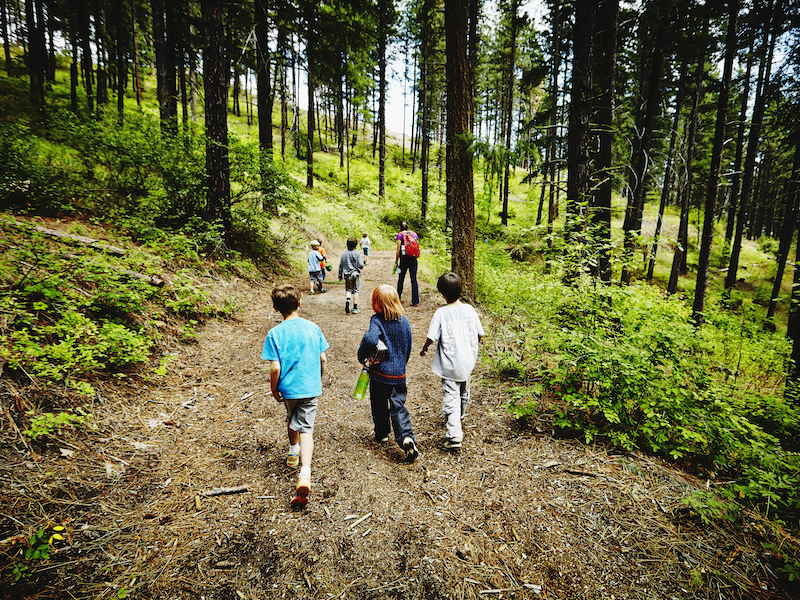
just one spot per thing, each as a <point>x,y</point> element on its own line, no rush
<point>34,550</point>
<point>30,177</point>
<point>48,423</point>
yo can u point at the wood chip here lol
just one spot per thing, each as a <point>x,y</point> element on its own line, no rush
<point>361,520</point>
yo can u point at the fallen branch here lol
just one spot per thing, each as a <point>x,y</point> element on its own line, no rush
<point>224,491</point>
<point>151,279</point>
<point>86,241</point>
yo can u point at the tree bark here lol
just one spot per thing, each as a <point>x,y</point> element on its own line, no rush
<point>787,230</point>
<point>459,109</point>
<point>509,112</point>
<point>215,79</point>
<point>698,307</point>
<point>600,203</point>
<point>665,188</point>
<point>6,41</point>
<point>382,42</point>
<point>635,208</point>
<point>578,158</point>
<point>263,88</point>
<point>310,49</point>
<point>770,25</point>
<point>679,257</point>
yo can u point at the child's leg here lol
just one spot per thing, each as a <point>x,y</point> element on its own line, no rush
<point>379,402</point>
<point>451,405</point>
<point>306,450</point>
<point>401,420</point>
<point>465,396</point>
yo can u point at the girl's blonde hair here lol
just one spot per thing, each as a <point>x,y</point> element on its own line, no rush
<point>386,302</point>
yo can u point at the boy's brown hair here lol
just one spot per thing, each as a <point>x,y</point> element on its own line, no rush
<point>450,286</point>
<point>386,302</point>
<point>285,298</point>
<point>352,243</point>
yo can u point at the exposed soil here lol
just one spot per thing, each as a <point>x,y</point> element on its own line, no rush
<point>514,514</point>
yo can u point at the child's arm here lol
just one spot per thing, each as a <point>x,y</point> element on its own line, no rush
<point>322,360</point>
<point>428,342</point>
<point>274,379</point>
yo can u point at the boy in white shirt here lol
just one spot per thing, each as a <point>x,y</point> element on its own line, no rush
<point>457,330</point>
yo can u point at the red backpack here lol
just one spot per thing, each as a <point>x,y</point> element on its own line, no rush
<point>411,244</point>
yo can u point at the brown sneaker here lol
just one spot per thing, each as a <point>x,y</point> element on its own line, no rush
<point>301,492</point>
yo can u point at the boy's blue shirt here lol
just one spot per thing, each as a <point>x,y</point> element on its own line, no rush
<point>297,344</point>
<point>314,259</point>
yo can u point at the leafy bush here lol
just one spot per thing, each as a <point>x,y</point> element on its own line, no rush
<point>48,423</point>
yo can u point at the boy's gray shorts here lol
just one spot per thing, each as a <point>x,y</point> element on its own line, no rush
<point>352,283</point>
<point>301,413</point>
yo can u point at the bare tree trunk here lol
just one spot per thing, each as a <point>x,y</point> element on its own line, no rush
<point>509,109</point>
<point>552,137</point>
<point>6,35</point>
<point>263,90</point>
<point>698,307</point>
<point>215,80</point>
<point>137,80</point>
<point>578,166</point>
<point>667,175</point>
<point>752,145</point>
<point>682,247</point>
<point>459,109</point>
<point>310,49</point>
<point>600,203</point>
<point>787,230</point>
<point>635,208</point>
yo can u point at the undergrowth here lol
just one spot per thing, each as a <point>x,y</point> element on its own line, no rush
<point>622,365</point>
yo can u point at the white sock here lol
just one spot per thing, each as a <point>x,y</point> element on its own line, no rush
<point>305,472</point>
<point>294,449</point>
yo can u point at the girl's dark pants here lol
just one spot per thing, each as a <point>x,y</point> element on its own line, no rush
<point>389,401</point>
<point>408,263</point>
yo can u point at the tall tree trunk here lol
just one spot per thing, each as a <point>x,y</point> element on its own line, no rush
<point>310,57</point>
<point>699,305</point>
<point>600,203</point>
<point>765,68</point>
<point>165,68</point>
<point>263,89</point>
<point>102,61</point>
<point>122,48</point>
<point>682,247</point>
<point>215,80</point>
<point>424,103</point>
<point>459,109</point>
<point>509,110</point>
<point>578,159</point>
<point>787,229</point>
<point>744,99</point>
<point>6,35</point>
<point>86,54</point>
<point>37,53</point>
<point>552,134</point>
<point>635,208</point>
<point>73,67</point>
<point>382,39</point>
<point>667,175</point>
<point>191,55</point>
<point>137,80</point>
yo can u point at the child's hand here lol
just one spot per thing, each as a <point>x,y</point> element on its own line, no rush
<point>423,352</point>
<point>277,395</point>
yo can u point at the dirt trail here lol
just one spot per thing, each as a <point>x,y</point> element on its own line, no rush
<point>512,514</point>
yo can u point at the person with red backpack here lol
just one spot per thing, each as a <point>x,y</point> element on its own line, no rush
<point>405,259</point>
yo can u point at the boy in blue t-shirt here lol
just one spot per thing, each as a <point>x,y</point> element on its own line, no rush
<point>296,348</point>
